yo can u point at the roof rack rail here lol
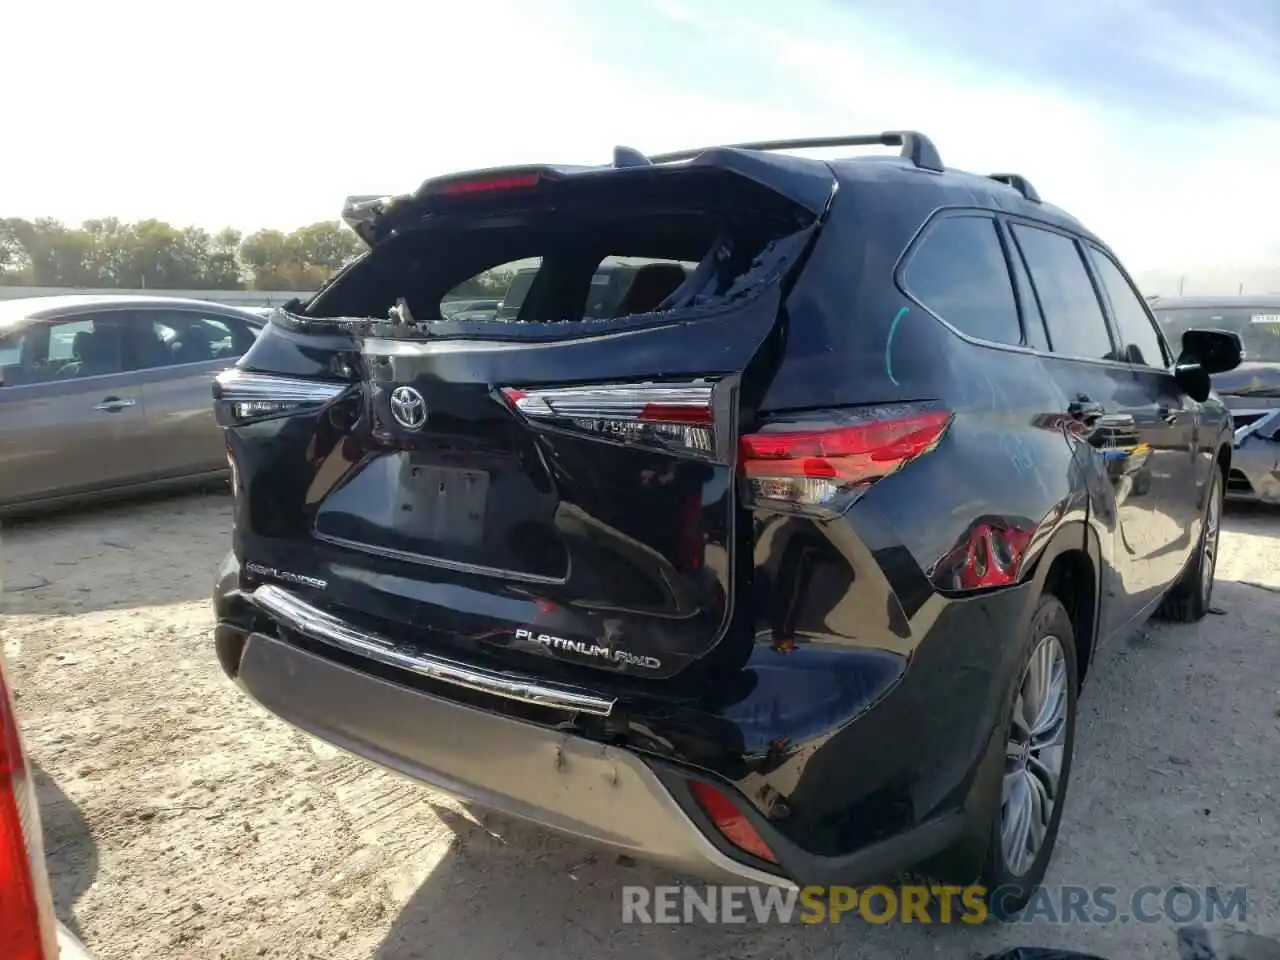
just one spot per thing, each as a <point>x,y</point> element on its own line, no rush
<point>1019,183</point>
<point>630,157</point>
<point>916,146</point>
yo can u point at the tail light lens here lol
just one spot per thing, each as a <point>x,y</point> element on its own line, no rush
<point>819,462</point>
<point>241,396</point>
<point>677,418</point>
<point>26,921</point>
<point>731,822</point>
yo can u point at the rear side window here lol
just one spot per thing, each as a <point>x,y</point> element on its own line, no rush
<point>959,272</point>
<point>1072,311</point>
<point>1139,342</point>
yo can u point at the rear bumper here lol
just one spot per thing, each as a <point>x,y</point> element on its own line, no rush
<point>590,791</point>
<point>623,800</point>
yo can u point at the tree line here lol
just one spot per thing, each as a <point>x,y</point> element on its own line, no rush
<point>152,254</point>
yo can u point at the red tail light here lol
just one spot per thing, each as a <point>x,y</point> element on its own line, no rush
<point>731,822</point>
<point>26,923</point>
<point>815,465</point>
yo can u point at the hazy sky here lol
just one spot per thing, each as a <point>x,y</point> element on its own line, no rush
<point>1157,122</point>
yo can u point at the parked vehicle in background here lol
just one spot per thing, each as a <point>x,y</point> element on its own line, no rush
<point>611,284</point>
<point>787,566</point>
<point>102,395</point>
<point>1251,391</point>
<point>28,928</point>
<point>470,309</point>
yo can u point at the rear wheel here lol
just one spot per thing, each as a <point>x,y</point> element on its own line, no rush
<point>1040,722</point>
<point>1189,599</point>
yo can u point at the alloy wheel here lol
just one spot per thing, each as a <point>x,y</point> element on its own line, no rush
<point>1209,548</point>
<point>1034,756</point>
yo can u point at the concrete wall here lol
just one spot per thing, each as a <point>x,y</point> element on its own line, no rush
<point>246,298</point>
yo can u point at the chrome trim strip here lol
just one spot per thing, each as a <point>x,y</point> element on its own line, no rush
<point>625,401</point>
<point>297,614</point>
<point>241,385</point>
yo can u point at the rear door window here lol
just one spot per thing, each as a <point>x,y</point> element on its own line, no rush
<point>168,338</point>
<point>1139,341</point>
<point>1072,312</point>
<point>959,272</point>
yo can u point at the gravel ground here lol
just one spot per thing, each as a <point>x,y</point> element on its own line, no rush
<point>183,821</point>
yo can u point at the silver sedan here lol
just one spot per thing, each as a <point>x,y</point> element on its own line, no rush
<point>105,395</point>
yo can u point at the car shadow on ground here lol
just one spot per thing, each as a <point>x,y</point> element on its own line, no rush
<point>115,556</point>
<point>71,854</point>
<point>508,889</point>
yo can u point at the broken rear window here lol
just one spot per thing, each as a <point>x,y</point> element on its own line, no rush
<point>606,249</point>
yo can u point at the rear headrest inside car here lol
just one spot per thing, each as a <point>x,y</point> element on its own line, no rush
<point>652,284</point>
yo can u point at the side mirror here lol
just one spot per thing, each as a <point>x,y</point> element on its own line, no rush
<point>1215,351</point>
<point>1204,353</point>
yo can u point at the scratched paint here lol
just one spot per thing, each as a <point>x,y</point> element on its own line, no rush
<point>888,345</point>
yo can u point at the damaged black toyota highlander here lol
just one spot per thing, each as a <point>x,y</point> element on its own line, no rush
<point>770,538</point>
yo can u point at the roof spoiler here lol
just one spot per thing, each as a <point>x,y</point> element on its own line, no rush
<point>362,212</point>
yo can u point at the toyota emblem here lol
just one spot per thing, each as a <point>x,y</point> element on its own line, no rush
<point>408,408</point>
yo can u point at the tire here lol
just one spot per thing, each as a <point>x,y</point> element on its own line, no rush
<point>1013,870</point>
<point>1189,599</point>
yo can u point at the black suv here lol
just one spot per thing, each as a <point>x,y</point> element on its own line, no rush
<point>791,573</point>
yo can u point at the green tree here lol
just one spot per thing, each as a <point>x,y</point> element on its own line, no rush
<point>156,255</point>
<point>301,260</point>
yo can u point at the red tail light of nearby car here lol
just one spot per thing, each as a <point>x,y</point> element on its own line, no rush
<point>813,464</point>
<point>27,930</point>
<point>731,822</point>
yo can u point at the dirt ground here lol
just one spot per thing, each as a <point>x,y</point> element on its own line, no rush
<point>182,821</point>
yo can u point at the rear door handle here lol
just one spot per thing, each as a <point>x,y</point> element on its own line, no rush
<point>115,404</point>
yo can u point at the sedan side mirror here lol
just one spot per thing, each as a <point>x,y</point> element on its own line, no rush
<point>1204,353</point>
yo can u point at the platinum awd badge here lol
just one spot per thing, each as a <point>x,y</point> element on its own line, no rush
<point>588,649</point>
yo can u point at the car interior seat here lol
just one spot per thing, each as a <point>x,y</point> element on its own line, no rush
<point>652,284</point>
<point>196,345</point>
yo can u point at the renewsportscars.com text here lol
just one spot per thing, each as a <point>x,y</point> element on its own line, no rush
<point>929,904</point>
